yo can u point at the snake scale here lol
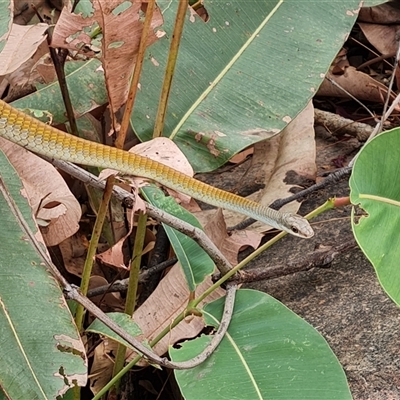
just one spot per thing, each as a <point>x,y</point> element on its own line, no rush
<point>44,139</point>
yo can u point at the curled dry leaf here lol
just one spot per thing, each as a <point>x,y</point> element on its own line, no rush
<point>230,245</point>
<point>387,13</point>
<point>47,193</point>
<point>109,302</point>
<point>121,29</point>
<point>242,156</point>
<point>23,79</point>
<point>164,151</point>
<point>103,364</point>
<point>359,84</point>
<point>21,45</point>
<point>73,252</point>
<point>383,37</point>
<point>165,303</point>
<point>25,11</point>
<point>114,256</point>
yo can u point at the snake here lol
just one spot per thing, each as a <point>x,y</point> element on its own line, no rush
<point>46,140</point>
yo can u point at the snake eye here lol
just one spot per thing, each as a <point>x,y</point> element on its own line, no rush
<point>294,229</point>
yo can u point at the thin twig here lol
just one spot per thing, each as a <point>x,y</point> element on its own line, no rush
<point>319,258</point>
<point>58,58</point>
<point>122,285</point>
<point>338,125</point>
<point>196,234</point>
<point>385,115</point>
<point>371,50</point>
<point>391,82</point>
<point>219,335</point>
<point>277,204</point>
<point>72,293</point>
<point>351,96</point>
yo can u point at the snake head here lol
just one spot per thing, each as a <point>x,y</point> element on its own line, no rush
<point>298,226</point>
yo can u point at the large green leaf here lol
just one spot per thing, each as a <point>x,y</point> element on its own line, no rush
<point>41,350</point>
<point>268,353</point>
<point>375,186</point>
<point>195,262</point>
<point>6,20</point>
<point>240,78</point>
<point>243,75</point>
<point>86,87</point>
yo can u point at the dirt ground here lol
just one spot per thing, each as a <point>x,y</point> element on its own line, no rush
<point>342,300</point>
<point>346,304</point>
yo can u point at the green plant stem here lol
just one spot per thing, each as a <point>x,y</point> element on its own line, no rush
<point>94,241</point>
<point>328,205</point>
<point>171,63</point>
<point>119,143</point>
<point>95,197</point>
<point>127,367</point>
<point>133,283</point>
<point>135,264</point>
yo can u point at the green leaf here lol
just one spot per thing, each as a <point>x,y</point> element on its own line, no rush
<point>243,75</point>
<point>255,68</point>
<point>195,262</point>
<point>41,350</point>
<point>375,186</point>
<point>6,20</point>
<point>121,319</point>
<point>68,396</point>
<point>85,82</point>
<point>268,353</point>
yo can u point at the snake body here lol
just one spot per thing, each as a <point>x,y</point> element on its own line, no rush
<point>44,139</point>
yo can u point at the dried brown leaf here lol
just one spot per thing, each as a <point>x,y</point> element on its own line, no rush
<point>165,303</point>
<point>122,31</point>
<point>387,13</point>
<point>109,302</point>
<point>103,364</point>
<point>228,244</point>
<point>279,160</point>
<point>242,156</point>
<point>359,84</point>
<point>114,256</point>
<point>73,252</point>
<point>164,151</point>
<point>121,25</point>
<point>21,45</point>
<point>71,30</point>
<point>47,192</point>
<point>383,37</point>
